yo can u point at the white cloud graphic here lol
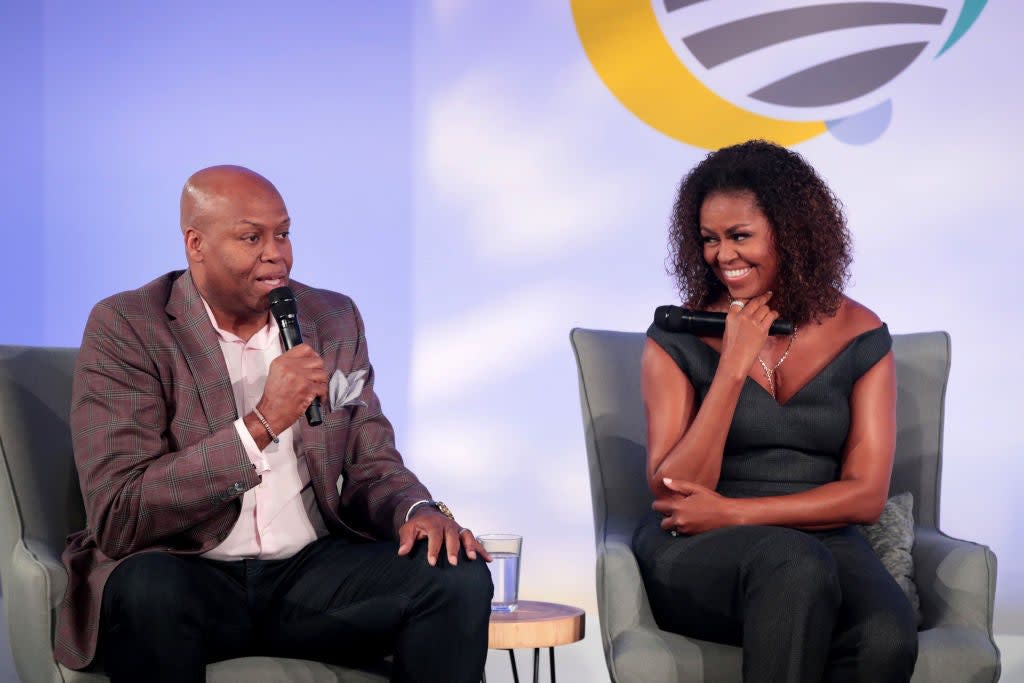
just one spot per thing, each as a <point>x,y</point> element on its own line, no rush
<point>529,179</point>
<point>499,339</point>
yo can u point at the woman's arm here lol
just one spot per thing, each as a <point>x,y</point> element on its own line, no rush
<point>684,441</point>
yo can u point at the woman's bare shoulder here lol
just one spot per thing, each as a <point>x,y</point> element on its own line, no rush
<point>854,318</point>
<point>833,333</point>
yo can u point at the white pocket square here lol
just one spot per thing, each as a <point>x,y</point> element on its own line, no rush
<point>345,391</point>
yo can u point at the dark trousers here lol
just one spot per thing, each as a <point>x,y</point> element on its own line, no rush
<point>166,616</point>
<point>805,606</point>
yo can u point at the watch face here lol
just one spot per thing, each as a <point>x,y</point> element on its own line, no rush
<point>443,509</point>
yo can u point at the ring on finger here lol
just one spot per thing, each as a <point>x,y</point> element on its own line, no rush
<point>737,302</point>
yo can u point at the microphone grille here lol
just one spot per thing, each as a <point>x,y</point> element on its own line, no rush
<point>282,303</point>
<point>669,318</point>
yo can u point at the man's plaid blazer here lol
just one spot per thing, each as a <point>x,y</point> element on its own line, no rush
<point>159,461</point>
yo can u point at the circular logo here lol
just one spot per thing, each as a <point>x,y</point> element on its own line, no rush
<point>715,72</point>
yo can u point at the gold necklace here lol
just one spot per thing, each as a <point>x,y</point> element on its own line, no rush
<point>770,372</point>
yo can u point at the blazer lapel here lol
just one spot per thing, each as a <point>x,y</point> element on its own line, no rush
<point>313,442</point>
<point>190,325</point>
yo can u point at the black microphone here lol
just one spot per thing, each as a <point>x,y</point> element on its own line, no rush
<point>286,313</point>
<point>703,323</point>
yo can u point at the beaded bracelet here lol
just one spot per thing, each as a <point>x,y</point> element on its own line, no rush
<point>266,425</point>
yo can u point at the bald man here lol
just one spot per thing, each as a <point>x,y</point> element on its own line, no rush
<point>220,524</point>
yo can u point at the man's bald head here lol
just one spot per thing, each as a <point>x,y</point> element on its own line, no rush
<point>236,231</point>
<point>211,191</point>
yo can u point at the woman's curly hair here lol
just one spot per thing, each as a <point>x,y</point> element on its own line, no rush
<point>808,228</point>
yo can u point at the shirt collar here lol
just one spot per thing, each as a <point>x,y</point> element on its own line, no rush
<point>261,340</point>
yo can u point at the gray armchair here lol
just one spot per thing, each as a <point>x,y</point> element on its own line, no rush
<point>40,504</point>
<point>955,579</point>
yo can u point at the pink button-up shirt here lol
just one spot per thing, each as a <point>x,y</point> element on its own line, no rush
<point>279,516</point>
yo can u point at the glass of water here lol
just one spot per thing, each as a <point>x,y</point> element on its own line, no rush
<point>505,551</point>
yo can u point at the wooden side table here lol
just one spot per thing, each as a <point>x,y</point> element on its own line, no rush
<point>535,625</point>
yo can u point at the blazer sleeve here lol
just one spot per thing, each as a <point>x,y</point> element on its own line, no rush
<point>139,492</point>
<point>377,482</point>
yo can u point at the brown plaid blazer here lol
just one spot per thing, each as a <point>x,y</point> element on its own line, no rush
<point>160,464</point>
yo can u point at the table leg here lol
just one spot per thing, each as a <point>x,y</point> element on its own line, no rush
<point>536,666</point>
<point>515,671</point>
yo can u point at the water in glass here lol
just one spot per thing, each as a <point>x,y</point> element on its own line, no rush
<point>505,575</point>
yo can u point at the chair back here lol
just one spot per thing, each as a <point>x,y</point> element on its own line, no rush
<point>40,501</point>
<point>922,374</point>
<point>39,492</point>
<point>615,426</point>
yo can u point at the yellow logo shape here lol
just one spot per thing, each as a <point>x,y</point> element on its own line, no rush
<point>628,50</point>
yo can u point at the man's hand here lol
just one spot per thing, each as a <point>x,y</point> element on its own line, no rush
<point>296,377</point>
<point>430,524</point>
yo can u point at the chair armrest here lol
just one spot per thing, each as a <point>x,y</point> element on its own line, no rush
<point>955,579</point>
<point>32,591</point>
<point>618,579</point>
<point>634,648</point>
<point>49,562</point>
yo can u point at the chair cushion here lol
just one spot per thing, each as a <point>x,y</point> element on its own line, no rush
<point>892,539</point>
<point>265,670</point>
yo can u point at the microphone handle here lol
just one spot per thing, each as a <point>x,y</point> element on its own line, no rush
<point>314,415</point>
<point>292,338</point>
<point>705,323</point>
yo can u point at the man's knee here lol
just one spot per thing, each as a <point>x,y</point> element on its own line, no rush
<point>468,583</point>
<point>148,584</point>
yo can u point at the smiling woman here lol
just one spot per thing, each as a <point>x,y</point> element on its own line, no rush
<point>772,190</point>
<point>738,244</point>
<point>764,452</point>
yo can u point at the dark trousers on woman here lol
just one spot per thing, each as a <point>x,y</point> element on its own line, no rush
<point>165,616</point>
<point>805,606</point>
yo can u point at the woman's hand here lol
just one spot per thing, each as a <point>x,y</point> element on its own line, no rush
<point>746,330</point>
<point>690,508</point>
